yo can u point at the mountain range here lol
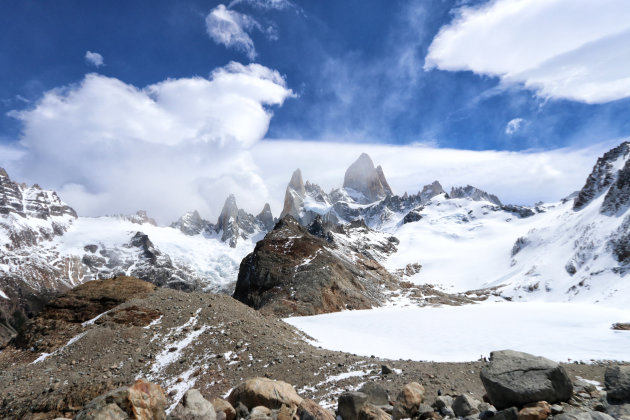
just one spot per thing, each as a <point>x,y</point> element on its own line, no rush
<point>465,241</point>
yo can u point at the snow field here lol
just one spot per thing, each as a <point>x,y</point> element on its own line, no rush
<point>559,331</point>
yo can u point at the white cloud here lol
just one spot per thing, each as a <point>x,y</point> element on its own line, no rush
<point>180,144</point>
<point>231,29</point>
<point>94,59</point>
<point>571,49</point>
<point>516,177</point>
<point>514,125</point>
<point>264,4</point>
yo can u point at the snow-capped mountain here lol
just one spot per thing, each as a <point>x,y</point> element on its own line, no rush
<point>573,250</point>
<point>47,249</point>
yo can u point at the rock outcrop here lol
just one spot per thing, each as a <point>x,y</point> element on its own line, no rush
<point>364,178</point>
<point>474,194</point>
<point>294,272</point>
<point>514,379</point>
<point>603,175</point>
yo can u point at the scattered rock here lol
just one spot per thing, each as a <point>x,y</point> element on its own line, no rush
<point>310,410</point>
<point>266,392</point>
<point>408,401</point>
<point>538,411</point>
<point>507,414</point>
<point>465,405</point>
<point>386,370</point>
<point>220,405</point>
<point>377,395</point>
<point>583,415</point>
<point>350,404</point>
<point>194,406</point>
<point>514,379</point>
<point>142,400</point>
<point>621,326</point>
<point>617,382</point>
<point>370,412</point>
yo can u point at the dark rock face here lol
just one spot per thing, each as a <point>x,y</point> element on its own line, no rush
<point>350,404</point>
<point>617,382</point>
<point>293,272</point>
<point>30,202</point>
<point>617,198</point>
<point>520,211</point>
<point>619,242</point>
<point>412,216</point>
<point>474,194</point>
<point>363,177</point>
<point>602,176</point>
<point>514,379</point>
<point>266,219</point>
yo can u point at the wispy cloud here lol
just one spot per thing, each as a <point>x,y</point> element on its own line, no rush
<point>231,29</point>
<point>94,59</point>
<point>570,49</point>
<point>264,4</point>
<point>514,125</point>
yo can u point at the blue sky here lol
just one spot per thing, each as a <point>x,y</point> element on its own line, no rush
<point>501,75</point>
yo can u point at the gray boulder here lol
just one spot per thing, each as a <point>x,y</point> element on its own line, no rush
<point>617,382</point>
<point>377,395</point>
<point>350,404</point>
<point>464,405</point>
<point>514,379</point>
<point>583,415</point>
<point>194,406</point>
<point>507,414</point>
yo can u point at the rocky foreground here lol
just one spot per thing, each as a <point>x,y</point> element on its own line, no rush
<point>518,386</point>
<point>107,334</point>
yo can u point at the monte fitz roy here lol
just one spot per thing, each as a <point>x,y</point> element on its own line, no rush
<point>342,295</point>
<point>457,241</point>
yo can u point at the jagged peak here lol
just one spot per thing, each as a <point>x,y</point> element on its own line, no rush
<point>474,194</point>
<point>3,173</point>
<point>297,183</point>
<point>363,177</point>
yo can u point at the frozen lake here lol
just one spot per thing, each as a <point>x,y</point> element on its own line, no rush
<point>560,331</point>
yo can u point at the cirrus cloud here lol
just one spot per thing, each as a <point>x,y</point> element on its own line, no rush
<point>569,49</point>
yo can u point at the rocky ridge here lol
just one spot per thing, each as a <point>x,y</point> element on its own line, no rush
<point>233,223</point>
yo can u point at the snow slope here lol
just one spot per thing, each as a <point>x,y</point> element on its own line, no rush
<point>559,331</point>
<point>206,255</point>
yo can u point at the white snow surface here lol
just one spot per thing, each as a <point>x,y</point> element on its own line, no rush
<point>465,245</point>
<point>559,331</point>
<point>215,261</point>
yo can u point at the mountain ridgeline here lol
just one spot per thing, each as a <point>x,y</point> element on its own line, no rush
<point>352,247</point>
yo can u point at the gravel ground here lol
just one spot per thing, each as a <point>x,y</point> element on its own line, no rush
<point>207,341</point>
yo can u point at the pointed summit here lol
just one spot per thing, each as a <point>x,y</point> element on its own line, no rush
<point>228,221</point>
<point>363,177</point>
<point>265,217</point>
<point>294,196</point>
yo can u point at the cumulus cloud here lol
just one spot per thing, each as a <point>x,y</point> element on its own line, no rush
<point>231,29</point>
<point>570,49</point>
<point>180,144</point>
<point>514,126</point>
<point>94,59</point>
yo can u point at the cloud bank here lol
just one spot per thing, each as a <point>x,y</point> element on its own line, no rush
<point>110,147</point>
<point>567,49</point>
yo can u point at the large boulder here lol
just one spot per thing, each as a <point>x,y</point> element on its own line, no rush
<point>266,392</point>
<point>617,382</point>
<point>194,406</point>
<point>350,404</point>
<point>408,401</point>
<point>514,379</point>
<point>142,400</point>
<point>310,410</point>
